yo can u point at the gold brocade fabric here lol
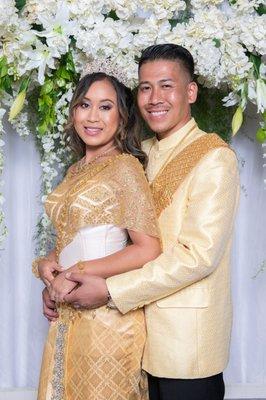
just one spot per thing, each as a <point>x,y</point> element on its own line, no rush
<point>167,181</point>
<point>96,354</point>
<point>114,191</point>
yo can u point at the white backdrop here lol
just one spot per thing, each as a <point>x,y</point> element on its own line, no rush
<point>23,328</point>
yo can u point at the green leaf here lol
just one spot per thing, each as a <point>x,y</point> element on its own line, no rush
<point>217,42</point>
<point>24,84</point>
<point>65,74</point>
<point>3,70</point>
<point>37,27</point>
<point>261,9</point>
<point>47,87</point>
<point>42,128</point>
<point>256,60</point>
<point>52,120</point>
<point>2,61</point>
<point>70,66</point>
<point>112,14</point>
<point>61,82</point>
<point>40,102</point>
<point>7,84</point>
<point>261,135</point>
<point>20,4</point>
<point>173,23</point>
<point>47,100</point>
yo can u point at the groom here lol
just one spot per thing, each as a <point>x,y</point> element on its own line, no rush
<point>186,290</point>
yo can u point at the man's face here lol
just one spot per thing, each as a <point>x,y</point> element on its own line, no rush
<point>164,96</point>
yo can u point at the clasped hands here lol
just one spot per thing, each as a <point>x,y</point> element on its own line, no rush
<point>78,289</point>
<point>54,278</point>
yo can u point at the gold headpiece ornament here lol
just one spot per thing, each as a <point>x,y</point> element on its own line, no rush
<point>107,66</point>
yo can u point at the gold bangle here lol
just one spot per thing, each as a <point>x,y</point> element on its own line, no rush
<point>81,266</point>
<point>35,264</point>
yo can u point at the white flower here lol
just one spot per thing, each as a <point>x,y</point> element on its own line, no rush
<point>58,28</point>
<point>41,57</point>
<point>263,71</point>
<point>8,15</point>
<point>252,91</point>
<point>246,6</point>
<point>232,99</point>
<point>34,8</point>
<point>205,3</point>
<point>252,34</point>
<point>261,95</point>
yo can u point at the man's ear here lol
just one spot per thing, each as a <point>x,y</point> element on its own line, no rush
<point>192,92</point>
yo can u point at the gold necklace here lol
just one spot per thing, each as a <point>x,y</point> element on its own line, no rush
<point>83,163</point>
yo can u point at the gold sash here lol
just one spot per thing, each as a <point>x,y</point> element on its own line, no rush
<point>167,182</point>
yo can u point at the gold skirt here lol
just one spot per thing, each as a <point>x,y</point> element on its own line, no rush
<point>94,355</point>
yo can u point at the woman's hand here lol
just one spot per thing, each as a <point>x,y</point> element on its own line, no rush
<point>46,269</point>
<point>60,287</point>
<point>49,306</point>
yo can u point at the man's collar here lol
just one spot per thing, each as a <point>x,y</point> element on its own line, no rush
<point>175,138</point>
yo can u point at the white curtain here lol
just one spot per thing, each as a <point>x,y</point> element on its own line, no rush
<point>23,328</point>
<point>247,365</point>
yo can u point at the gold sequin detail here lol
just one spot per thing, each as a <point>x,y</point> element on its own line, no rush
<point>114,191</point>
<point>59,368</point>
<point>166,183</point>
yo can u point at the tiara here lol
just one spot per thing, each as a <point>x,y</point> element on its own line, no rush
<point>107,66</point>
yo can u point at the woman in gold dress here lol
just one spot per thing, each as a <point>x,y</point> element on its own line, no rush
<point>105,224</point>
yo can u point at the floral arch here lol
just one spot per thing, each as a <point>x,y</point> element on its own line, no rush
<point>45,45</point>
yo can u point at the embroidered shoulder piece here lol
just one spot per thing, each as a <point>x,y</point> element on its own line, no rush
<point>112,192</point>
<point>167,182</point>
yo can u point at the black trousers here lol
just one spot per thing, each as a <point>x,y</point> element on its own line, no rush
<point>211,388</point>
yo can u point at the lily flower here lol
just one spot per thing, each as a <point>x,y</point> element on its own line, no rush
<point>41,57</point>
<point>17,105</point>
<point>58,28</point>
<point>237,120</point>
<point>261,95</point>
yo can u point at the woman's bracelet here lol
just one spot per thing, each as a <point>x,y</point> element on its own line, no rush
<point>81,266</point>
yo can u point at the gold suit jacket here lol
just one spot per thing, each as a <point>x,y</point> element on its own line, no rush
<point>186,290</point>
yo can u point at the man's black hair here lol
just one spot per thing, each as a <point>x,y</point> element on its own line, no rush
<point>169,51</point>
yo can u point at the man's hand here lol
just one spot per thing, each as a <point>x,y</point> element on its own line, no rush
<point>49,310</point>
<point>91,293</point>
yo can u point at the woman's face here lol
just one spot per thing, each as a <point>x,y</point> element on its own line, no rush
<point>96,118</point>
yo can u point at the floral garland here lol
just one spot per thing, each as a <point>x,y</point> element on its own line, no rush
<point>45,45</point>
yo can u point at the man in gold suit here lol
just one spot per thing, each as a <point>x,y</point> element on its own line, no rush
<point>186,290</point>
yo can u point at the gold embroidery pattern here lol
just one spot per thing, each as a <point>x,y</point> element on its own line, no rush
<point>58,371</point>
<point>167,182</point>
<point>114,191</point>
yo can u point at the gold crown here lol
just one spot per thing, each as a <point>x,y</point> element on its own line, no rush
<point>107,66</point>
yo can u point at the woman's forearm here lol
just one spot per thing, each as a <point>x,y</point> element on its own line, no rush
<point>131,257</point>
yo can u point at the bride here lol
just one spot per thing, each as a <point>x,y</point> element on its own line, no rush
<point>105,224</point>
